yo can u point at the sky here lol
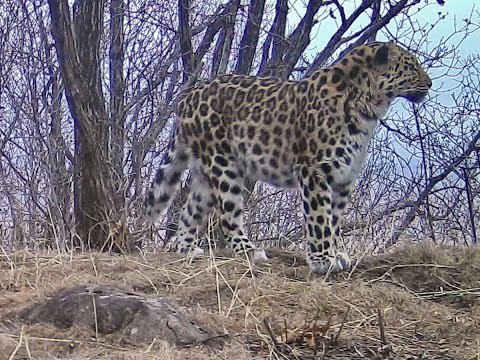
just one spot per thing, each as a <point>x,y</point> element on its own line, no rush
<point>453,13</point>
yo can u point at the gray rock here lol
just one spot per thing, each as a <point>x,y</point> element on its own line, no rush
<point>111,310</point>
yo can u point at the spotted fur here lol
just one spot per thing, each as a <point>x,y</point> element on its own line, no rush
<point>311,135</point>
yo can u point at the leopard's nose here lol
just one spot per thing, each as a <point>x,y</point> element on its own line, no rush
<point>429,83</point>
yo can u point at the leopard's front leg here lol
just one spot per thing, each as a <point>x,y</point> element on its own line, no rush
<point>322,254</point>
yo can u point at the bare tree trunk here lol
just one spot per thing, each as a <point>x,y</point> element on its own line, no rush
<point>77,44</point>
<point>223,46</point>
<point>185,38</point>
<point>248,44</point>
<point>275,40</point>
<point>299,39</point>
<point>117,95</point>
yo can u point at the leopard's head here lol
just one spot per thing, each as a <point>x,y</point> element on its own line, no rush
<point>398,73</point>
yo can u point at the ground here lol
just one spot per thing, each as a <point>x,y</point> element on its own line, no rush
<point>418,302</point>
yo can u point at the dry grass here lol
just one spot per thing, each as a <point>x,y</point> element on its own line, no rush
<point>416,303</point>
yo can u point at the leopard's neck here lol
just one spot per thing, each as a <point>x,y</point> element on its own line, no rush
<point>357,84</point>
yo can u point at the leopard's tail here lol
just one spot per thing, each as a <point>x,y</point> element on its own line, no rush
<point>168,178</point>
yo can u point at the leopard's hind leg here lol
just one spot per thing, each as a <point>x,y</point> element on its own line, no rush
<point>200,203</point>
<point>228,178</point>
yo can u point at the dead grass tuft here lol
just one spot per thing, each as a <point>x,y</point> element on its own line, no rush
<point>440,273</point>
<point>418,302</point>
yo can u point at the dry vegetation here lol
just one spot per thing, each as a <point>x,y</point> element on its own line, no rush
<point>421,179</point>
<point>415,303</point>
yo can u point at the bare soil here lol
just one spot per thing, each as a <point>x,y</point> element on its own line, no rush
<point>418,302</point>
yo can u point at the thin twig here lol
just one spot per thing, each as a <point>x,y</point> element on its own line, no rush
<point>95,316</point>
<point>381,325</point>
<point>341,325</point>
<point>270,332</point>
<point>19,345</point>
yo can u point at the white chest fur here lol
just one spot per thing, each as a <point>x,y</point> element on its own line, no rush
<point>349,171</point>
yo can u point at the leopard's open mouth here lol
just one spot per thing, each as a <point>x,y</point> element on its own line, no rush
<point>416,97</point>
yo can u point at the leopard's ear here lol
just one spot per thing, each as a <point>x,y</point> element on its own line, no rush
<point>381,55</point>
<point>385,53</point>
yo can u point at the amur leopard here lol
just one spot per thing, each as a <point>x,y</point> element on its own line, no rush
<point>310,134</point>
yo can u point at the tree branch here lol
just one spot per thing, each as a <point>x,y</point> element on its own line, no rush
<point>335,40</point>
<point>382,22</point>
<point>341,10</point>
<point>249,41</point>
<point>186,49</point>
<point>376,8</point>
<point>275,40</point>
<point>300,38</point>
<point>117,88</point>
<point>430,185</point>
<point>222,20</point>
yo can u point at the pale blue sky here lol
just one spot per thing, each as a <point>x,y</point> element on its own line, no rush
<point>454,11</point>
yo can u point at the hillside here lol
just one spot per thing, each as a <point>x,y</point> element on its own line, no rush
<point>415,303</point>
